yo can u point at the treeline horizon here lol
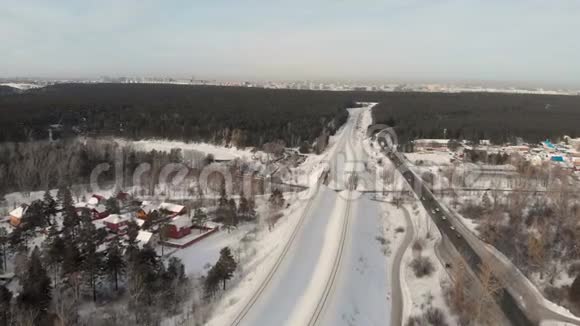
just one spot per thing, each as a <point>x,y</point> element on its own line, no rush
<point>498,117</point>
<point>242,116</point>
<point>233,116</point>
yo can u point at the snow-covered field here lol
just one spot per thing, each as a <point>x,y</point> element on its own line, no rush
<point>430,158</point>
<point>21,86</point>
<point>219,152</point>
<point>197,257</point>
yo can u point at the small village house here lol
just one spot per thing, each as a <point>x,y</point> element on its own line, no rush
<point>17,214</point>
<point>116,222</point>
<point>99,212</point>
<point>172,210</point>
<point>179,227</point>
<point>144,238</point>
<point>145,210</point>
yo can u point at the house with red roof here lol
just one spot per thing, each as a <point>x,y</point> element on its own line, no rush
<point>179,227</point>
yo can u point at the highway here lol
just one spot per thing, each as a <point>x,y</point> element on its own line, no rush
<point>519,301</point>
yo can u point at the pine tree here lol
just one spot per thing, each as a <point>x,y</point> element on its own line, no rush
<point>34,216</point>
<point>36,287</point>
<point>199,218</point>
<point>575,290</point>
<point>15,239</point>
<point>54,248</point>
<point>114,263</point>
<point>175,284</point>
<point>226,265</point>
<point>64,198</point>
<point>163,230</point>
<point>70,220</point>
<point>3,245</point>
<point>175,268</point>
<point>60,196</point>
<point>223,200</point>
<point>112,205</point>
<point>143,276</point>
<point>49,207</point>
<point>486,202</point>
<point>243,208</point>
<point>132,233</point>
<point>230,215</point>
<point>211,283</point>
<point>91,260</point>
<point>5,299</point>
<point>252,208</point>
<point>232,207</point>
<point>276,199</point>
<point>71,256</point>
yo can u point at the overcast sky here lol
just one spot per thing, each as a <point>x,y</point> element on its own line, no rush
<point>431,40</point>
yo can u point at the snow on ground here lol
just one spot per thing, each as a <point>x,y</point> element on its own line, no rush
<point>199,256</point>
<point>21,86</point>
<point>426,291</point>
<point>531,288</point>
<point>430,158</point>
<point>417,292</point>
<point>362,292</point>
<point>307,173</point>
<point>315,267</point>
<point>469,223</point>
<point>292,276</point>
<point>393,230</point>
<point>219,152</point>
<point>300,276</point>
<point>382,173</point>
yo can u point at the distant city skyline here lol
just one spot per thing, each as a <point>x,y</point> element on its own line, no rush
<point>526,43</point>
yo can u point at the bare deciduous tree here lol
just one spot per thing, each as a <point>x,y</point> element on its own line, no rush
<point>490,287</point>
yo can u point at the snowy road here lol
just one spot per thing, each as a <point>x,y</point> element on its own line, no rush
<point>361,291</point>
<point>361,294</point>
<point>335,272</point>
<point>300,271</point>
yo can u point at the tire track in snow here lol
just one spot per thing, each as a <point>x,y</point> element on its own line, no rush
<point>350,185</point>
<point>248,306</point>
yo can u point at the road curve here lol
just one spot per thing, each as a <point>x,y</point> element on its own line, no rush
<point>397,296</point>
